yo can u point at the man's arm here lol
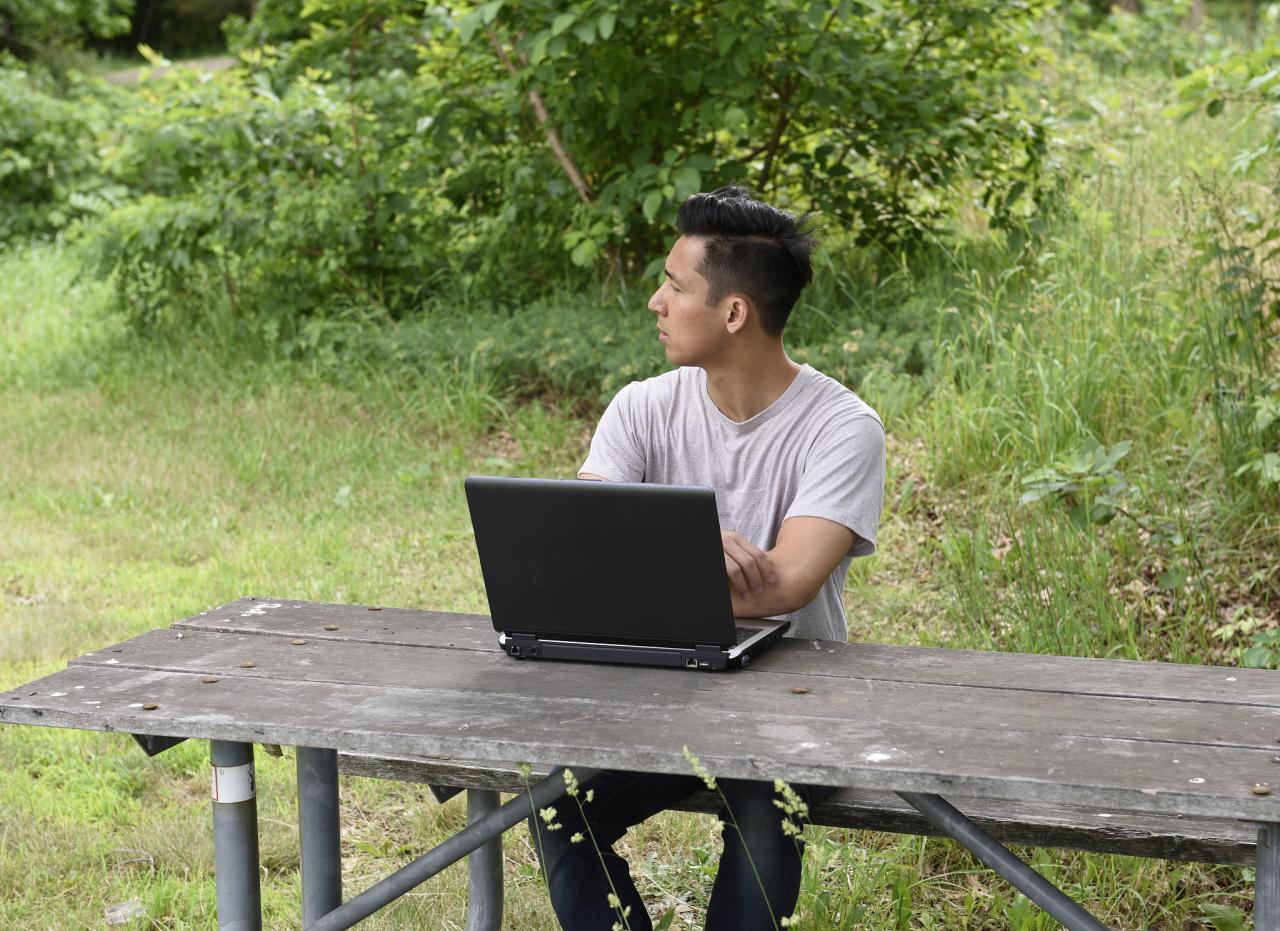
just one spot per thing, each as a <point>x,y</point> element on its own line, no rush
<point>789,576</point>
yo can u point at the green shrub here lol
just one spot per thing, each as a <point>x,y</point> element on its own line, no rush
<point>1235,247</point>
<point>49,166</point>
<point>269,208</point>
<point>391,153</point>
<point>1156,40</point>
<point>53,31</point>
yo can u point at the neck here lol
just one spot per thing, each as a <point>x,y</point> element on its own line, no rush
<point>750,379</point>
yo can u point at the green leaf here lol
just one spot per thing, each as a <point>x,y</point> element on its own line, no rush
<point>585,31</point>
<point>652,204</point>
<point>468,25</point>
<point>1215,106</point>
<point>563,22</point>
<point>687,181</point>
<point>489,11</point>
<point>606,23</point>
<point>584,252</point>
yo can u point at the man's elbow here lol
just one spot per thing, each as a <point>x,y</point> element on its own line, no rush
<point>794,594</point>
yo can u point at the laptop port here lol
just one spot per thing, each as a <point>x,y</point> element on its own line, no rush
<point>703,664</point>
<point>691,663</point>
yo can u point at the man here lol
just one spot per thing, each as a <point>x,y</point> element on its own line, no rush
<point>797,464</point>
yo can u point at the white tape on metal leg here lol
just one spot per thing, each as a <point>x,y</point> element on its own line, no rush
<point>233,783</point>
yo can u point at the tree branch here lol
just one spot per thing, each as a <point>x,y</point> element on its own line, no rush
<point>544,120</point>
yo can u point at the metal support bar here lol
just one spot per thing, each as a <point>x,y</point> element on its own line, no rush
<point>484,868</point>
<point>1266,889</point>
<point>153,745</point>
<point>235,837</point>
<point>321,838</point>
<point>449,852</point>
<point>999,858</point>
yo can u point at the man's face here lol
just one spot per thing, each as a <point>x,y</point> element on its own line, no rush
<point>691,331</point>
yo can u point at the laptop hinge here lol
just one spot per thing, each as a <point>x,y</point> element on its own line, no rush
<point>708,647</point>
<point>523,638</point>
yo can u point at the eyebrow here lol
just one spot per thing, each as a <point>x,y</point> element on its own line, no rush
<point>673,277</point>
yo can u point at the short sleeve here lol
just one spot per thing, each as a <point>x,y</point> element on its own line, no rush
<point>843,480</point>
<point>617,447</point>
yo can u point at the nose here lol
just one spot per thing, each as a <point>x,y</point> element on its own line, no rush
<point>655,303</point>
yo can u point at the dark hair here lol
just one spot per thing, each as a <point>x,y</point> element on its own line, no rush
<point>752,248</point>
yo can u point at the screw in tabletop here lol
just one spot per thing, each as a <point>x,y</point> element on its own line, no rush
<point>248,664</point>
<point>1261,788</point>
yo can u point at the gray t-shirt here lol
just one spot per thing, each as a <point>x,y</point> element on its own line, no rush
<point>817,451</point>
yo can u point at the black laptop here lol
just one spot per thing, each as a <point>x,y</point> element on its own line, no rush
<point>610,572</point>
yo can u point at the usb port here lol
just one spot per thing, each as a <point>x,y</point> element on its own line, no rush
<point>691,663</point>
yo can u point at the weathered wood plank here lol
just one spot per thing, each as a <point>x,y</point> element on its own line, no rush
<point>1125,678</point>
<point>1167,837</point>
<point>644,691</point>
<point>1115,774</point>
<point>368,623</point>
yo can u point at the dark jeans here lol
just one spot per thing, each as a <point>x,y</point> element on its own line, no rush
<point>751,891</point>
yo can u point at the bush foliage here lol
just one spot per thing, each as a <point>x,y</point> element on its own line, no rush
<point>49,164</point>
<point>500,149</point>
<point>49,30</point>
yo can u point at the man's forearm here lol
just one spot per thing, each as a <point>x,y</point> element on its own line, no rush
<point>774,599</point>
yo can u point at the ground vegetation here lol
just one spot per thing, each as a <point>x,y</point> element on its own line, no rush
<point>221,372</point>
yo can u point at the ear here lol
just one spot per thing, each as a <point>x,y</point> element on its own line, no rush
<point>737,313</point>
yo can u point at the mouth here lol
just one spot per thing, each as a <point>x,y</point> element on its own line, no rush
<point>662,335</point>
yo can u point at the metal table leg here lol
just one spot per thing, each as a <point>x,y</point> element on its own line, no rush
<point>321,838</point>
<point>1001,859</point>
<point>235,837</point>
<point>484,865</point>
<point>470,838</point>
<point>1266,890</point>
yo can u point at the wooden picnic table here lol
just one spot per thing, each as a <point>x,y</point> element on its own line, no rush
<point>1119,736</point>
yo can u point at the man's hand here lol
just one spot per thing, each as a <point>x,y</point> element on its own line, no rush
<point>749,567</point>
<point>807,551</point>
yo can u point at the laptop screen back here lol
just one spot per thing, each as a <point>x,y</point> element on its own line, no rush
<point>602,560</point>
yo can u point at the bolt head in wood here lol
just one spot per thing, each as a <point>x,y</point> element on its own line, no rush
<point>209,680</point>
<point>800,690</point>
<point>248,664</point>
<point>330,626</point>
<point>1261,788</point>
<point>150,706</point>
<point>297,643</point>
<point>375,607</point>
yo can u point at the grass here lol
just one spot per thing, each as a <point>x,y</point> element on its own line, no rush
<point>144,480</point>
